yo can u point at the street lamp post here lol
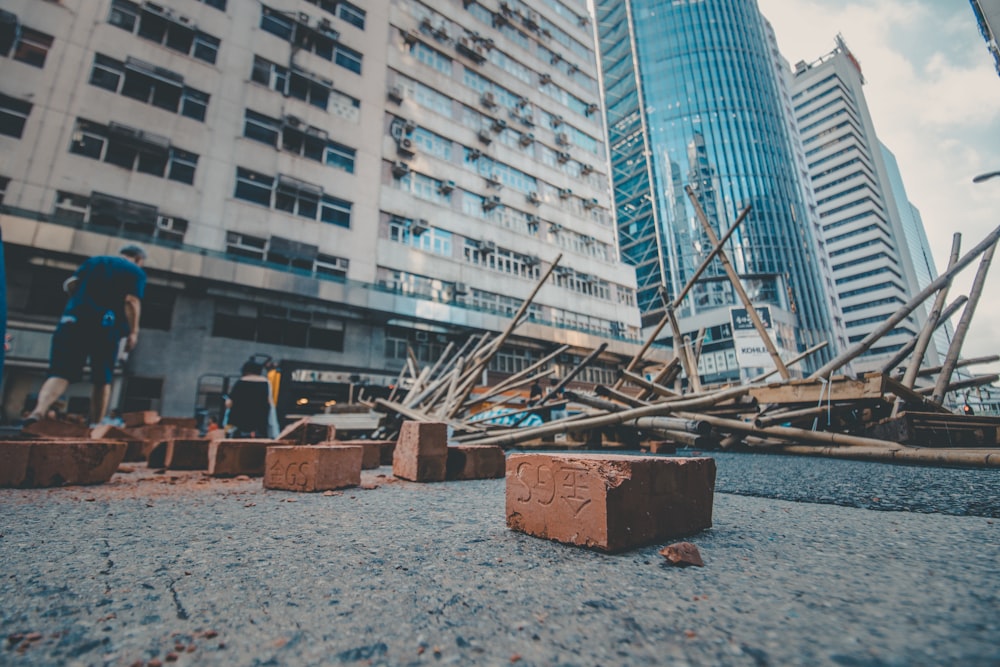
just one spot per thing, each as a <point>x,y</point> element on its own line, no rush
<point>985,177</point>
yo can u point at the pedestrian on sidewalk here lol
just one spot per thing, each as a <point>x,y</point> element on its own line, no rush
<point>249,402</point>
<point>105,299</point>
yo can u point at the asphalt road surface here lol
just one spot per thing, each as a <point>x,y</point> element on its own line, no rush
<point>801,568</point>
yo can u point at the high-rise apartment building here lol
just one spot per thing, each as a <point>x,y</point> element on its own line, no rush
<point>879,259</point>
<point>693,99</point>
<point>988,18</point>
<point>323,182</point>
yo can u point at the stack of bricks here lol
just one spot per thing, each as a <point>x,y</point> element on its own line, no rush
<point>312,467</point>
<point>40,463</point>
<point>609,502</point>
<point>421,453</point>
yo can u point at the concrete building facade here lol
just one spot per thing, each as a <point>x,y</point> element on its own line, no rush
<point>877,257</point>
<point>324,183</point>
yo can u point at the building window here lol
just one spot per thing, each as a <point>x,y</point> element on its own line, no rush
<point>164,27</point>
<point>292,196</point>
<point>295,137</point>
<point>351,14</point>
<point>149,84</point>
<point>13,115</point>
<point>4,184</point>
<point>244,245</point>
<point>277,325</point>
<point>158,308</point>
<point>135,150</point>
<point>32,47</point>
<point>218,4</point>
<point>297,83</point>
<point>319,38</point>
<point>431,57</point>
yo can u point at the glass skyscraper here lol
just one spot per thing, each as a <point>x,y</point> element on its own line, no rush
<point>706,99</point>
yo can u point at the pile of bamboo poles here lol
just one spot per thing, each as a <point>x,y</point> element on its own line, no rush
<point>823,414</point>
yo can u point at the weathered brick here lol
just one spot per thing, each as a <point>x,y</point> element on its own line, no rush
<point>474,462</point>
<point>421,453</point>
<point>372,451</point>
<point>140,418</point>
<point>56,428</point>
<point>228,458</point>
<point>312,467</point>
<point>609,502</point>
<point>186,454</point>
<point>42,463</point>
<point>14,462</point>
<point>179,422</point>
<point>306,432</point>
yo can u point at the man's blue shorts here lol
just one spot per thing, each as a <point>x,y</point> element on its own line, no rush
<point>73,343</point>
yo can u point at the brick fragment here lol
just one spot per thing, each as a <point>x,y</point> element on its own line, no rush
<point>228,458</point>
<point>140,418</point>
<point>609,502</point>
<point>179,422</point>
<point>307,432</point>
<point>421,453</point>
<point>312,467</point>
<point>186,454</point>
<point>40,463</point>
<point>373,450</point>
<point>474,462</point>
<point>662,447</point>
<point>57,428</point>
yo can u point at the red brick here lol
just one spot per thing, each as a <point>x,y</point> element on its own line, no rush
<point>372,451</point>
<point>609,502</point>
<point>56,428</point>
<point>228,458</point>
<point>59,462</point>
<point>186,454</point>
<point>475,462</point>
<point>421,453</point>
<point>312,467</point>
<point>305,432</point>
<point>141,418</point>
<point>14,462</point>
<point>179,422</point>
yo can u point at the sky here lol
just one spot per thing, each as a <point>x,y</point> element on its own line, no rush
<point>934,97</point>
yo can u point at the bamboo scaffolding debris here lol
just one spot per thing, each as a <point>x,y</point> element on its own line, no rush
<point>872,415</point>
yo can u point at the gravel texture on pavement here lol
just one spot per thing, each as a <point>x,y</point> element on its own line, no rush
<point>187,570</point>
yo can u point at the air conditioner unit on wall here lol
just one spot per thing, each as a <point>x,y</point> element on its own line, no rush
<point>418,227</point>
<point>446,187</point>
<point>400,169</point>
<point>395,94</point>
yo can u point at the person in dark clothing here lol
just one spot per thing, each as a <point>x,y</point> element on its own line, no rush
<point>536,393</point>
<point>249,403</point>
<point>105,297</point>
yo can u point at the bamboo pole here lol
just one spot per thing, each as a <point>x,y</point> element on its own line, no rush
<point>513,379</point>
<point>693,361</point>
<point>696,426</point>
<point>912,343</point>
<point>500,340</point>
<point>791,362</point>
<point>734,279</point>
<point>684,291</point>
<point>621,397</point>
<point>658,381</point>
<point>790,432</point>
<point>573,373</point>
<point>989,359</point>
<point>681,351</point>
<point>944,378</point>
<point>568,426</point>
<point>765,420</point>
<point>649,386</point>
<point>903,312</point>
<point>986,458</point>
<point>594,402</point>
<point>931,324</point>
<point>968,383</point>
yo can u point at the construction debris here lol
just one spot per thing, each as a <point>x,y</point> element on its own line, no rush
<point>873,415</point>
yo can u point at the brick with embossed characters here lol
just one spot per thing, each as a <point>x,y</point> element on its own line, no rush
<point>312,467</point>
<point>609,502</point>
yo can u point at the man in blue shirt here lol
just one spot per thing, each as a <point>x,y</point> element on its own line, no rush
<point>104,306</point>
